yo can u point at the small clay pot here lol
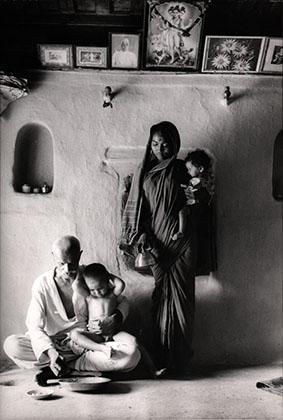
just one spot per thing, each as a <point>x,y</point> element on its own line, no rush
<point>26,188</point>
<point>45,189</point>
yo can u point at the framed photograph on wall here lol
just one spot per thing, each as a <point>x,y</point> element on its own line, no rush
<point>125,51</point>
<point>173,34</point>
<point>273,58</point>
<point>121,6</point>
<point>95,57</point>
<point>232,54</point>
<point>55,56</point>
<point>66,6</point>
<point>86,6</point>
<point>102,7</point>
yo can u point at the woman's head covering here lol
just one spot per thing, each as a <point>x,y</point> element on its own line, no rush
<point>132,212</point>
<point>170,132</point>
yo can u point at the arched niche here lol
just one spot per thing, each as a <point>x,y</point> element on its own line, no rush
<point>33,158</point>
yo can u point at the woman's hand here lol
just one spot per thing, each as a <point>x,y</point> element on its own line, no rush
<point>177,236</point>
<point>143,243</point>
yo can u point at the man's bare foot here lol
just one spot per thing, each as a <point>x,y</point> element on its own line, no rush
<point>43,375</point>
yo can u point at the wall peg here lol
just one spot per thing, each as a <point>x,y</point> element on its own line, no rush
<point>227,95</point>
<point>107,97</point>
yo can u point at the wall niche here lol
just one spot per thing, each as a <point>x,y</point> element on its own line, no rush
<point>33,160</point>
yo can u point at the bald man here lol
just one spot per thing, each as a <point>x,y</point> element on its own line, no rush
<point>51,317</point>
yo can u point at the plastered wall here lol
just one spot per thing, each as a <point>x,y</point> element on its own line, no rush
<point>238,314</point>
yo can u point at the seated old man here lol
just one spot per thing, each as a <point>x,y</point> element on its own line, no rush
<point>51,317</point>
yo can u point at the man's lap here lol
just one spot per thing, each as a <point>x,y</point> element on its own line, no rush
<point>18,347</point>
<point>126,356</point>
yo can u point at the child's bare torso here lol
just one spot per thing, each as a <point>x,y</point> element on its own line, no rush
<point>101,307</point>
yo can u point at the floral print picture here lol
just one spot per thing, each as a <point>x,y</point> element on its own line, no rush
<point>232,54</point>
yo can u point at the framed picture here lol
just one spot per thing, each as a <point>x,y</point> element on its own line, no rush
<point>66,6</point>
<point>91,57</point>
<point>56,56</point>
<point>44,6</point>
<point>232,54</point>
<point>125,51</point>
<point>121,6</point>
<point>102,7</point>
<point>273,59</point>
<point>87,6</point>
<point>172,34</point>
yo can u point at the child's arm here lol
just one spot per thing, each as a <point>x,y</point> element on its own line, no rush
<point>80,309</point>
<point>118,285</point>
<point>79,286</point>
<point>183,214</point>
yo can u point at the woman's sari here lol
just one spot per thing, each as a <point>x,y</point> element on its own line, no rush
<point>153,206</point>
<point>174,271</point>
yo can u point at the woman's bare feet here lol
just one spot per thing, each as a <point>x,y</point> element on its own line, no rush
<point>160,373</point>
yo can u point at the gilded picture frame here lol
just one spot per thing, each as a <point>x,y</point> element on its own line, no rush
<point>56,56</point>
<point>172,34</point>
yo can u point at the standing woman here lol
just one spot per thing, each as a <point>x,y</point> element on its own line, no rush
<point>150,220</point>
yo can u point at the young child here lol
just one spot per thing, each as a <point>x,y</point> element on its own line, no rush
<point>101,291</point>
<point>200,189</point>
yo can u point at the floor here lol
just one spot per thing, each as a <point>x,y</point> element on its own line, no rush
<point>213,394</point>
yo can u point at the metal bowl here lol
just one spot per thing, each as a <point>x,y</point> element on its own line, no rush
<point>39,394</point>
<point>84,384</point>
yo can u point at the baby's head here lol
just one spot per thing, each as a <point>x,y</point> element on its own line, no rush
<point>197,162</point>
<point>97,279</point>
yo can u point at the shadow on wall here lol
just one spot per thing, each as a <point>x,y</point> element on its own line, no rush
<point>33,158</point>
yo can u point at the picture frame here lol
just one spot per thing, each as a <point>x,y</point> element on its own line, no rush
<point>232,54</point>
<point>173,31</point>
<point>94,57</point>
<point>46,6</point>
<point>125,50</point>
<point>56,56</point>
<point>121,6</point>
<point>86,6</point>
<point>67,6</point>
<point>273,57</point>
<point>102,7</point>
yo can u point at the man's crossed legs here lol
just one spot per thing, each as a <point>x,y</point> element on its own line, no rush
<point>125,357</point>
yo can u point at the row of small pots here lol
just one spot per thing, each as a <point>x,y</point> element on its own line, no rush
<point>28,189</point>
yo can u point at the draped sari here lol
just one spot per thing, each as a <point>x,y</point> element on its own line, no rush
<point>174,272</point>
<point>153,205</point>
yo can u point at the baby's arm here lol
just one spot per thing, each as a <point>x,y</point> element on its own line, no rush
<point>81,310</point>
<point>80,287</point>
<point>118,285</point>
<point>183,214</point>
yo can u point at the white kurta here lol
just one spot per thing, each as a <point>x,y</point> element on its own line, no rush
<point>125,59</point>
<point>47,319</point>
